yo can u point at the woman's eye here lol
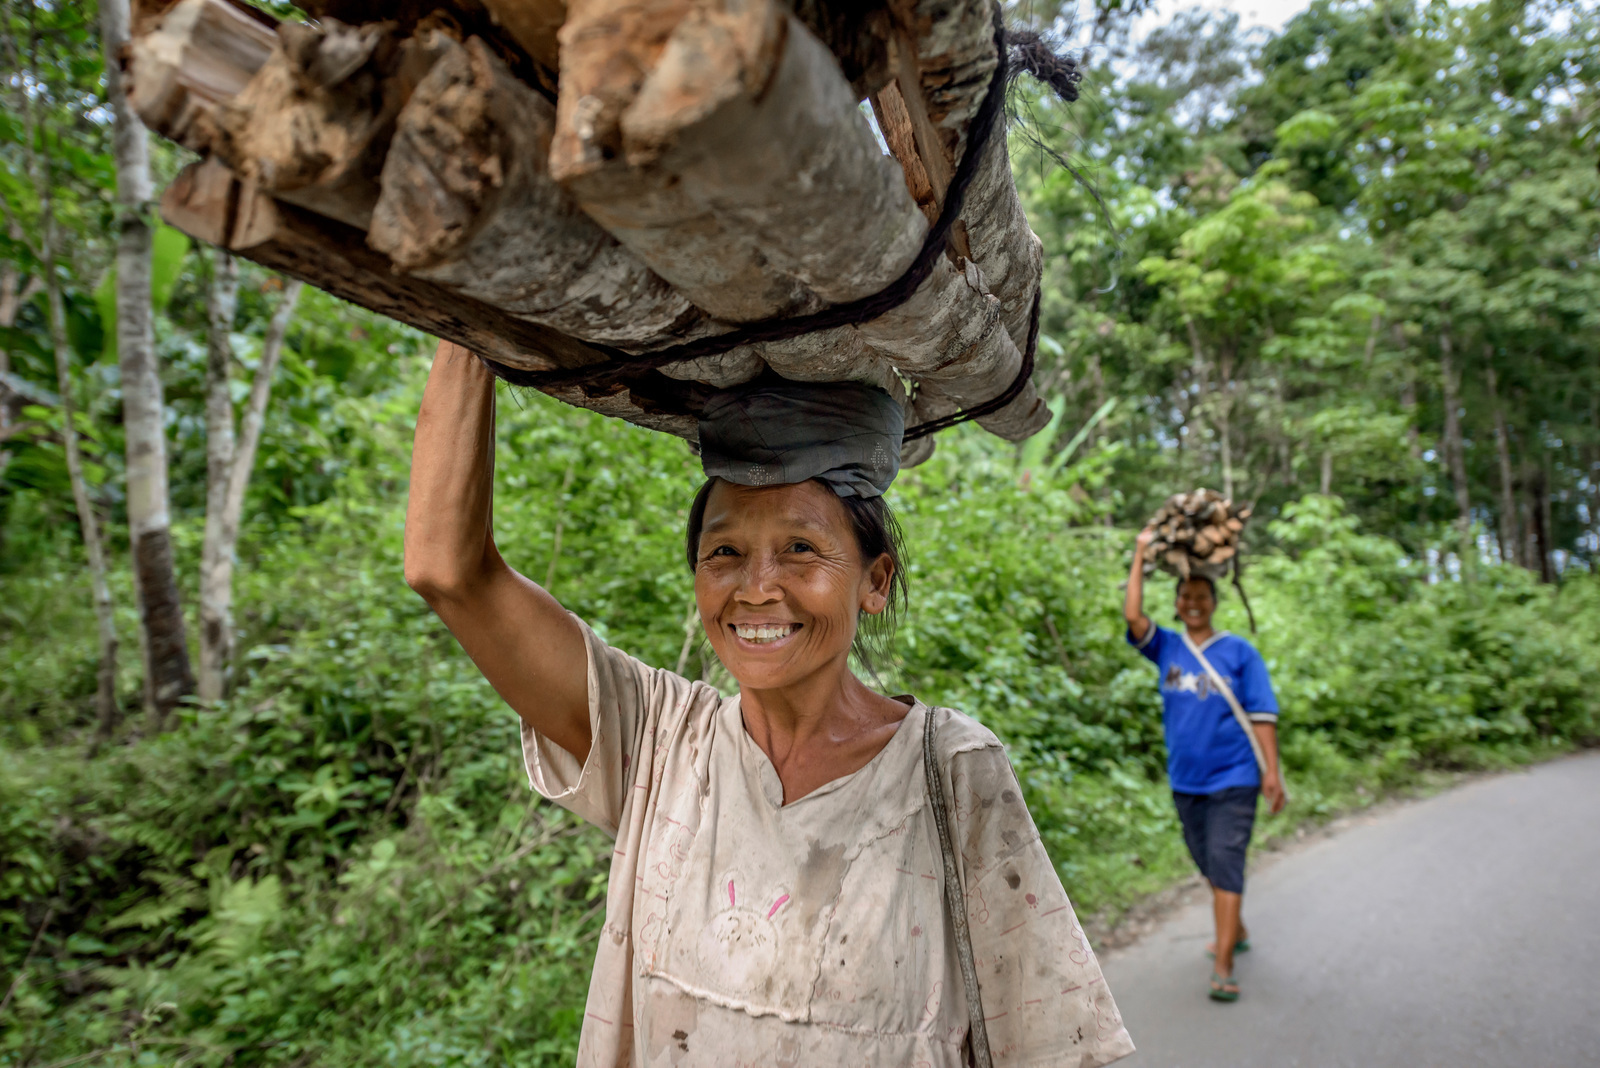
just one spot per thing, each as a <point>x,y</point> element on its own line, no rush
<point>801,547</point>
<point>724,550</point>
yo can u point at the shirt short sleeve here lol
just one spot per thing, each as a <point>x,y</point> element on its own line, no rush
<point>1255,687</point>
<point>1045,1001</point>
<point>630,703</point>
<point>1155,640</point>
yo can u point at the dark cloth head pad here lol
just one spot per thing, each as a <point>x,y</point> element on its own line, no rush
<point>776,432</point>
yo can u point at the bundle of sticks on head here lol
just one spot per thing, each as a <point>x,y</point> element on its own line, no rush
<point>554,184</point>
<point>1196,535</point>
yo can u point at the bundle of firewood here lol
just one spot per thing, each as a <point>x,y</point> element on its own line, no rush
<point>551,183</point>
<point>1196,534</point>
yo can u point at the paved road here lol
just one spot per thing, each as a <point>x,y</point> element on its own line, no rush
<point>1457,932</point>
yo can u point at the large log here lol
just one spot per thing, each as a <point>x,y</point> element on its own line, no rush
<point>468,203</point>
<point>753,116</point>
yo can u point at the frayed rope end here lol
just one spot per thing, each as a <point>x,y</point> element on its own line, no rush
<point>1030,52</point>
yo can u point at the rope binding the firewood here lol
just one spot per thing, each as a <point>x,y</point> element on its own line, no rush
<point>1029,54</point>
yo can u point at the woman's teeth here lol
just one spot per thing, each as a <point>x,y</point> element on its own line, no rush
<point>760,634</point>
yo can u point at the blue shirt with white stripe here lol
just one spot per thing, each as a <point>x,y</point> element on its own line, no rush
<point>1207,749</point>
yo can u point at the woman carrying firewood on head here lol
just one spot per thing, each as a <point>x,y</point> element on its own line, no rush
<point>1220,723</point>
<point>807,873</point>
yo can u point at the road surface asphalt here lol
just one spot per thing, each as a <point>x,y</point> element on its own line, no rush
<point>1459,931</point>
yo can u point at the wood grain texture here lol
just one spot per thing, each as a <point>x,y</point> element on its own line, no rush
<point>190,58</point>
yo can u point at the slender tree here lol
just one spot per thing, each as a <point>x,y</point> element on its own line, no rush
<point>1455,453</point>
<point>168,674</point>
<point>230,460</point>
<point>41,169</point>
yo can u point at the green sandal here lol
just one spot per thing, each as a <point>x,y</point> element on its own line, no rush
<point>1219,988</point>
<point>1241,946</point>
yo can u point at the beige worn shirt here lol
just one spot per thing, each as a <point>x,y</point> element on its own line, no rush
<point>741,931</point>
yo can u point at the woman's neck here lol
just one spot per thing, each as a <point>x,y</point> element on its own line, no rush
<point>1201,634</point>
<point>820,728</point>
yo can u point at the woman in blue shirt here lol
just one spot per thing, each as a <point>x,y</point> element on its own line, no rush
<point>1211,762</point>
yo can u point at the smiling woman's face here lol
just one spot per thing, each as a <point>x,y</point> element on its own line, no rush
<point>780,582</point>
<point>1196,603</point>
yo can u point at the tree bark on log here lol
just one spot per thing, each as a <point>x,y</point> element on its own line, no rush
<point>169,676</point>
<point>468,203</point>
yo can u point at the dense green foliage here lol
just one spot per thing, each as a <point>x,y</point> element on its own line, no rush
<point>343,864</point>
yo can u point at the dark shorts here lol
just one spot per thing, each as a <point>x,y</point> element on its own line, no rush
<point>1216,828</point>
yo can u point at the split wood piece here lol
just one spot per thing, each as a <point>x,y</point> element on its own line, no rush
<point>313,124</point>
<point>468,203</point>
<point>894,119</point>
<point>190,58</point>
<point>607,48</point>
<point>208,202</point>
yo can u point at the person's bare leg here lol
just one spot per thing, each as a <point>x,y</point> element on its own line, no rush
<point>1243,932</point>
<point>1226,907</point>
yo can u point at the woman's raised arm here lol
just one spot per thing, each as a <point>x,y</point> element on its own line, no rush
<point>1133,602</point>
<point>520,637</point>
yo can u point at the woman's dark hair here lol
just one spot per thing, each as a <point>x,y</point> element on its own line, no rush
<point>1197,578</point>
<point>877,534</point>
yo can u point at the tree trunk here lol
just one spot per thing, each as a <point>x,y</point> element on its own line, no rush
<point>1408,397</point>
<point>1455,453</point>
<point>1202,401</point>
<point>1539,514</point>
<point>215,567</point>
<point>226,489</point>
<point>89,524</point>
<point>1507,526</point>
<point>1325,487</point>
<point>168,675</point>
<point>1225,425</point>
<point>13,295</point>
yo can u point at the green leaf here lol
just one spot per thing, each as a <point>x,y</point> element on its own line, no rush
<point>168,247</point>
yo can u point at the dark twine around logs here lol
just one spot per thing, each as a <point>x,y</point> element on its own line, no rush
<point>1030,54</point>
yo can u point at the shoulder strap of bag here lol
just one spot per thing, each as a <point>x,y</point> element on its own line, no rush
<point>955,900</point>
<point>1238,711</point>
